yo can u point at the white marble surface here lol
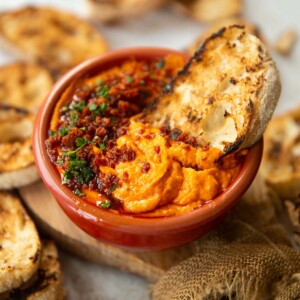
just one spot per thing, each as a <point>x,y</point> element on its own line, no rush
<point>164,28</point>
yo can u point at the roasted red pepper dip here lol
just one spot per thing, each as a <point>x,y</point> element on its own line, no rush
<point>109,157</point>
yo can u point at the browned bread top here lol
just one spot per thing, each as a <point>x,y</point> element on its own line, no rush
<point>56,39</point>
<point>210,10</point>
<point>24,85</point>
<point>226,94</point>
<point>20,244</point>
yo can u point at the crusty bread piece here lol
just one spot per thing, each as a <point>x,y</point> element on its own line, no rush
<point>227,93</point>
<point>24,85</point>
<point>46,283</point>
<point>19,244</point>
<point>286,42</point>
<point>53,38</point>
<point>210,10</point>
<point>281,159</point>
<point>215,26</point>
<point>17,167</point>
<point>106,11</point>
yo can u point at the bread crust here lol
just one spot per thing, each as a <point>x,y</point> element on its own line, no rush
<point>116,10</point>
<point>53,38</point>
<point>24,85</point>
<point>17,167</point>
<point>281,158</point>
<point>227,93</point>
<point>215,26</point>
<point>20,244</point>
<point>210,10</point>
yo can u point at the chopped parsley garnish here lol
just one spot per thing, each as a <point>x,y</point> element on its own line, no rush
<point>160,63</point>
<point>78,106</point>
<point>51,132</point>
<point>97,109</point>
<point>85,88</point>
<point>102,146</point>
<point>63,131</point>
<point>99,82</point>
<point>104,204</point>
<point>60,160</point>
<point>113,119</point>
<point>74,119</point>
<point>129,79</point>
<point>78,169</point>
<point>64,109</point>
<point>78,193</point>
<point>112,188</point>
<point>80,142</point>
<point>103,91</point>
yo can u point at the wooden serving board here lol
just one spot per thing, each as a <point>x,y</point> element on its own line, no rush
<point>51,220</point>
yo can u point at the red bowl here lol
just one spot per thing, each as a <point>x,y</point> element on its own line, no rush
<point>130,232</point>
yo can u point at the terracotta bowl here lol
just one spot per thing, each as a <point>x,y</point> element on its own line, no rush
<point>135,233</point>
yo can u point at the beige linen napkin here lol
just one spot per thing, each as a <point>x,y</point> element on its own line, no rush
<point>248,257</point>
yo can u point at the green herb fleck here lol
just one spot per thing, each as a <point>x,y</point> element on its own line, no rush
<point>51,133</point>
<point>63,131</point>
<point>106,204</point>
<point>78,106</point>
<point>102,146</point>
<point>160,63</point>
<point>99,82</point>
<point>98,109</point>
<point>80,142</point>
<point>78,193</point>
<point>129,79</point>
<point>64,109</point>
<point>83,128</point>
<point>60,160</point>
<point>112,188</point>
<point>113,119</point>
<point>103,91</point>
<point>74,119</point>
<point>142,82</point>
<point>85,88</point>
<point>78,169</point>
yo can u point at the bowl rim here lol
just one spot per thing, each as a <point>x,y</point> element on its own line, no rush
<point>73,204</point>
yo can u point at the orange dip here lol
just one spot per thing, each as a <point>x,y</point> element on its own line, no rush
<point>110,157</point>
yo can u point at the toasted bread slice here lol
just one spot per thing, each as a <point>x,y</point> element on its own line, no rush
<point>17,166</point>
<point>227,93</point>
<point>214,27</point>
<point>54,38</point>
<point>46,284</point>
<point>24,85</point>
<point>20,244</point>
<point>210,10</point>
<point>281,159</point>
<point>115,10</point>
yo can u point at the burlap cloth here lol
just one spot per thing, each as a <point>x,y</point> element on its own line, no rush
<point>248,257</point>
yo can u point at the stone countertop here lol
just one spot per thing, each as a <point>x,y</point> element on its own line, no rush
<point>164,28</point>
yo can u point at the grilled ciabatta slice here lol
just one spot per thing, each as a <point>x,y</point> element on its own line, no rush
<point>24,85</point>
<point>225,96</point>
<point>20,244</point>
<point>17,167</point>
<point>115,10</point>
<point>281,159</point>
<point>46,283</point>
<point>56,39</point>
